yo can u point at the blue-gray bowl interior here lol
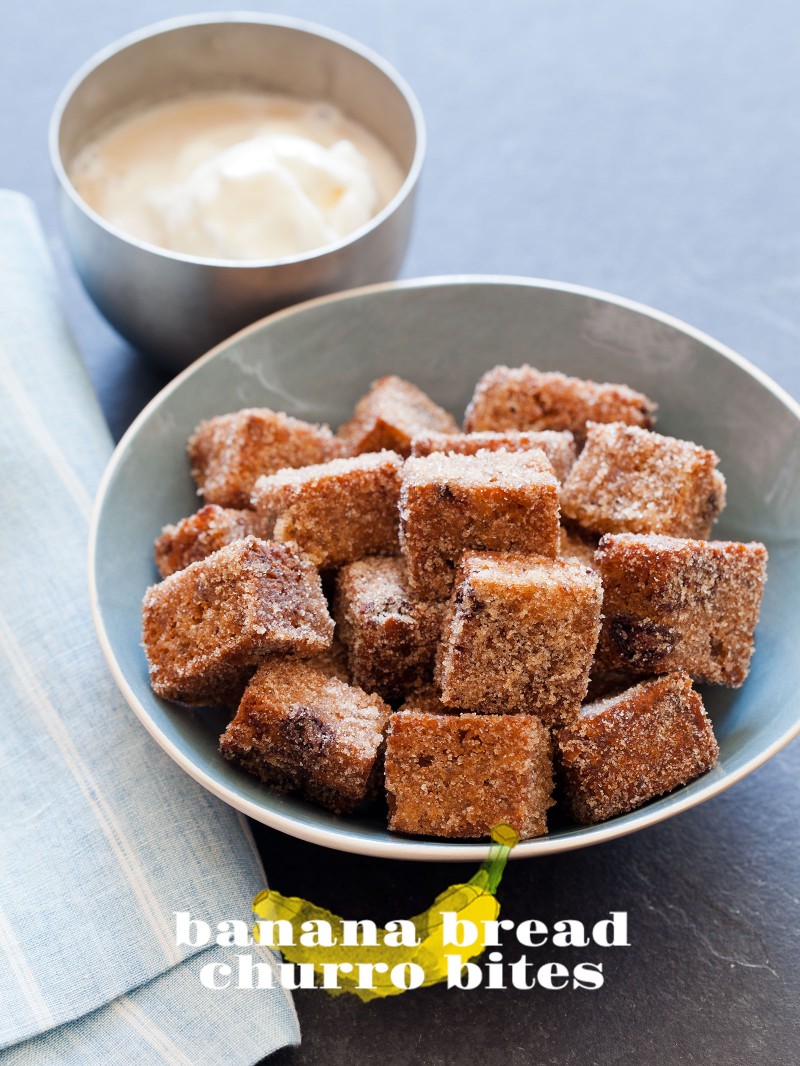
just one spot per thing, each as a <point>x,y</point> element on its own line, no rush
<point>315,361</point>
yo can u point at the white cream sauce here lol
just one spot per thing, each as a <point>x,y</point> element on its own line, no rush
<point>237,176</point>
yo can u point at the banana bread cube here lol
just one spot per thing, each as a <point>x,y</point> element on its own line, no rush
<point>300,730</point>
<point>520,635</point>
<point>458,774</point>
<point>524,398</point>
<point>338,511</point>
<point>201,534</point>
<point>625,750</point>
<point>391,414</point>
<point>206,628</point>
<point>228,453</point>
<point>493,501</point>
<point>390,636</point>
<point>629,480</point>
<point>673,604</point>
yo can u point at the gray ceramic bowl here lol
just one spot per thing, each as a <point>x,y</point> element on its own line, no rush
<point>314,361</point>
<point>176,306</point>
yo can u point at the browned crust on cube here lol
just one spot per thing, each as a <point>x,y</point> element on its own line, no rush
<point>203,533</point>
<point>628,749</point>
<point>391,414</point>
<point>674,604</point>
<point>520,636</point>
<point>300,730</point>
<point>557,445</point>
<point>206,627</point>
<point>338,511</point>
<point>390,636</point>
<point>493,501</point>
<point>460,774</point>
<point>229,452</point>
<point>524,398</point>
<point>629,480</point>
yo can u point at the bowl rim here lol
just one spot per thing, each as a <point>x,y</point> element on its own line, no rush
<point>181,22</point>
<point>405,848</point>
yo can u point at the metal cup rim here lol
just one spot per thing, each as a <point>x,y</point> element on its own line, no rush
<point>221,17</point>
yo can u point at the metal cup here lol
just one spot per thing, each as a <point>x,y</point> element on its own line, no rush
<point>176,306</point>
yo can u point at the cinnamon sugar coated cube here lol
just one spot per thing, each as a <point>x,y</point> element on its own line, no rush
<point>520,635</point>
<point>300,730</point>
<point>525,398</point>
<point>203,533</point>
<point>228,453</point>
<point>628,749</point>
<point>460,774</point>
<point>629,480</point>
<point>391,414</point>
<point>390,636</point>
<point>497,501</point>
<point>206,627</point>
<point>674,604</point>
<point>558,446</point>
<point>338,511</point>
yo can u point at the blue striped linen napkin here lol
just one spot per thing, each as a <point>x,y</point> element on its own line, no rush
<point>102,837</point>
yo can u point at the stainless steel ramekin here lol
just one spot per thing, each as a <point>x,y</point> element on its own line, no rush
<point>176,306</point>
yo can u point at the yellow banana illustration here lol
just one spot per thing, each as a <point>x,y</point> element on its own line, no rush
<point>375,965</point>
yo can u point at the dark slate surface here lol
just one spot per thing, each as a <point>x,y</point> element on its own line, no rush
<point>651,149</point>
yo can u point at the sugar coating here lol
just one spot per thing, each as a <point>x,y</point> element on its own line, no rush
<point>228,453</point>
<point>301,730</point>
<point>338,511</point>
<point>206,627</point>
<point>673,604</point>
<point>628,749</point>
<point>460,774</point>
<point>203,533</point>
<point>629,480</point>
<point>391,414</point>
<point>495,501</point>
<point>578,545</point>
<point>520,635</point>
<point>525,398</point>
<point>390,636</point>
<point>557,445</point>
